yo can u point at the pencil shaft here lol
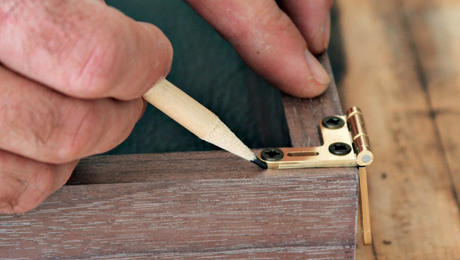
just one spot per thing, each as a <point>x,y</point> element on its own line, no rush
<point>196,118</point>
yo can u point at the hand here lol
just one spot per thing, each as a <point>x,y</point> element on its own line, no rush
<point>72,74</point>
<point>64,72</point>
<point>274,43</point>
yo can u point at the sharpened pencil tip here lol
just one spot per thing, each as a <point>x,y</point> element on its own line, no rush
<point>259,163</point>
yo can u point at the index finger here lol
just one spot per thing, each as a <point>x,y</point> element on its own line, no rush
<point>82,48</point>
<point>313,20</point>
<point>269,42</point>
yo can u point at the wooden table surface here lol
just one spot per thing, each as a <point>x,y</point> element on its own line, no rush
<point>401,65</point>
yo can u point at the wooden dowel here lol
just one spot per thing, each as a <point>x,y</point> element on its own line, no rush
<point>365,213</point>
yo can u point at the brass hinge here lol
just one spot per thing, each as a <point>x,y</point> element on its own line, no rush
<point>345,144</point>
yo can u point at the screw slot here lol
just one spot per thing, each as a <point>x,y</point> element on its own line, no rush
<point>333,122</point>
<point>339,148</point>
<point>271,154</point>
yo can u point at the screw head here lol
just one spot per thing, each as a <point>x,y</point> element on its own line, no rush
<point>271,154</point>
<point>333,122</point>
<point>339,148</point>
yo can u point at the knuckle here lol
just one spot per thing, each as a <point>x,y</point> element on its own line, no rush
<point>35,124</point>
<point>77,45</point>
<point>262,20</point>
<point>43,181</point>
<point>94,71</point>
<point>277,20</point>
<point>10,194</point>
<point>19,195</point>
<point>76,38</point>
<point>53,27</point>
<point>9,8</point>
<point>81,129</point>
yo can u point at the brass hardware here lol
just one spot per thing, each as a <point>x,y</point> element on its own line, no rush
<point>340,134</point>
<point>363,150</point>
<point>272,154</point>
<point>332,122</point>
<point>345,144</point>
<point>308,157</point>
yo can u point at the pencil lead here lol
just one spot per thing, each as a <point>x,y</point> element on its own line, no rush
<point>259,163</point>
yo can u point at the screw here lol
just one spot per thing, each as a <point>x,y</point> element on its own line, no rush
<point>333,122</point>
<point>271,154</point>
<point>339,148</point>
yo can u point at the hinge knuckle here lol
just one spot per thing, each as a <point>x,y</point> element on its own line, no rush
<point>361,143</point>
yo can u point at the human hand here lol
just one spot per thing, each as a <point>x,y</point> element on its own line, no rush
<point>72,74</point>
<point>273,39</point>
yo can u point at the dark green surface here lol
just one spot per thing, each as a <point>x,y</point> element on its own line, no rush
<point>207,68</point>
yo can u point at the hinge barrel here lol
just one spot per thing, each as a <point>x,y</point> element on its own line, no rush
<point>361,143</point>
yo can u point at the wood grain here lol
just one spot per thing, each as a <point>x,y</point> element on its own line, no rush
<point>283,215</point>
<point>195,205</point>
<point>304,115</point>
<point>394,52</point>
<point>182,166</point>
<point>434,28</point>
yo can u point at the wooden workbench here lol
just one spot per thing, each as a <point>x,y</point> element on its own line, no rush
<point>400,63</point>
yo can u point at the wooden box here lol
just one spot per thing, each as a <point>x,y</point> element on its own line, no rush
<point>197,205</point>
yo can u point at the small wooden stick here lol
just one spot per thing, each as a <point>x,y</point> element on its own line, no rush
<point>364,199</point>
<point>197,119</point>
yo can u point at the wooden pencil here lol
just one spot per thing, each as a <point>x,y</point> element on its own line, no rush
<point>197,119</point>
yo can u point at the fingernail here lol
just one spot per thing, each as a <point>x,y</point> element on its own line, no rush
<point>317,69</point>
